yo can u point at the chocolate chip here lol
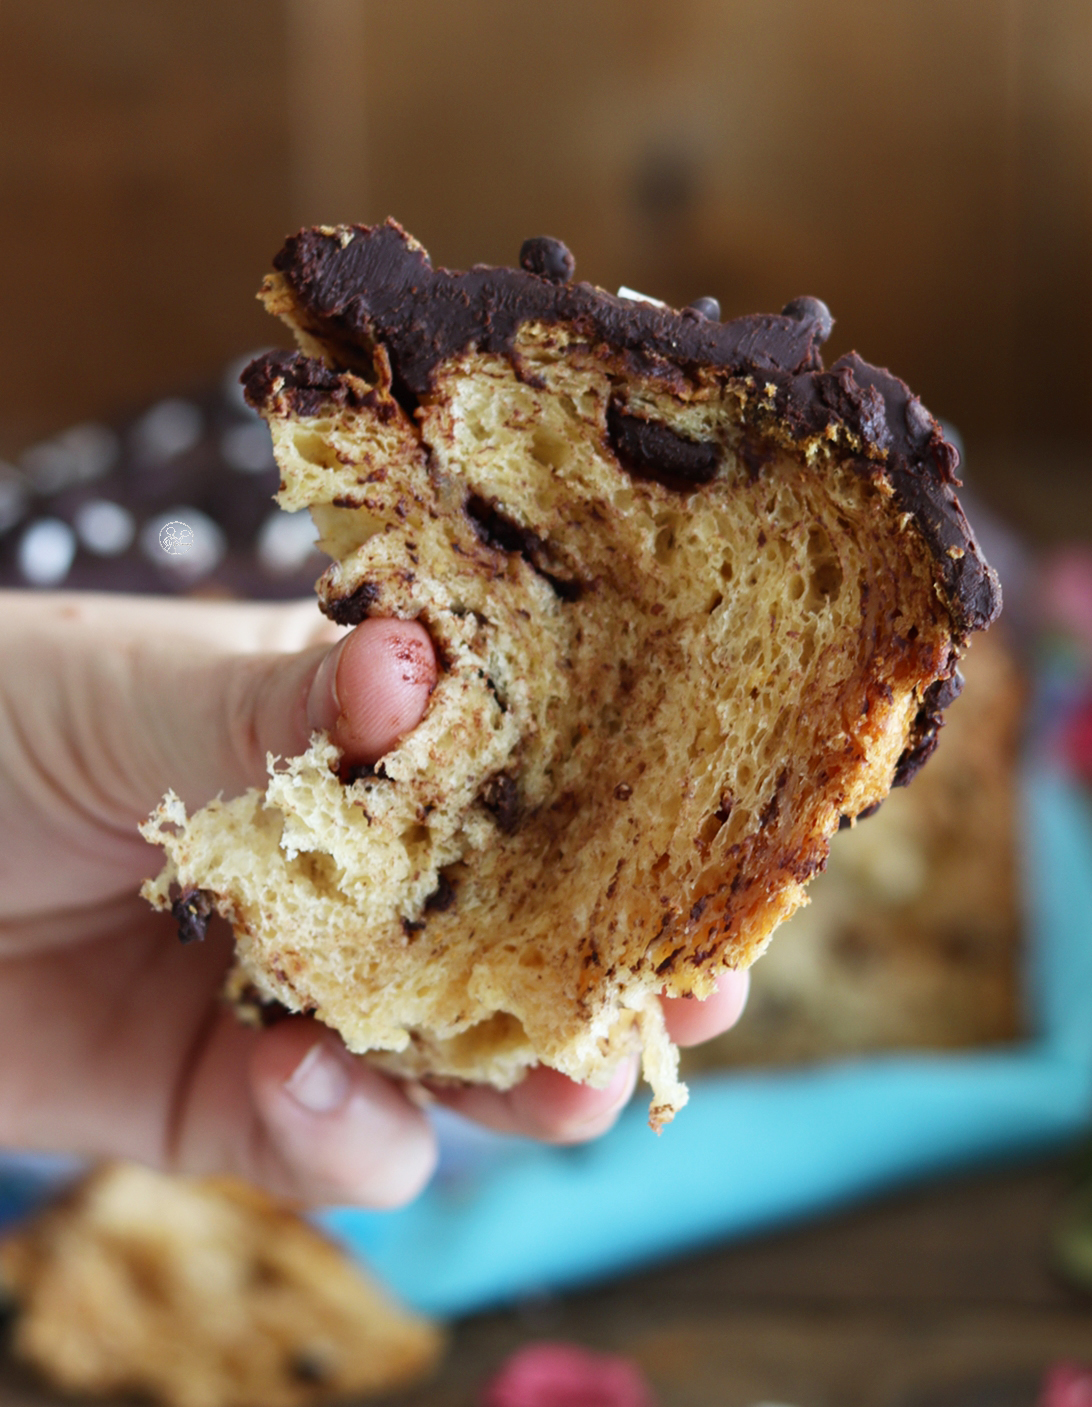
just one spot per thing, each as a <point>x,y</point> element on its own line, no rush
<point>548,258</point>
<point>265,1011</point>
<point>501,796</point>
<point>191,911</point>
<point>442,897</point>
<point>649,449</point>
<point>351,610</point>
<point>309,1367</point>
<point>496,530</point>
<point>811,310</point>
<point>708,307</point>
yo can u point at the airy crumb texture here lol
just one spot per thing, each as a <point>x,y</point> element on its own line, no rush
<point>694,601</point>
<point>201,1294</point>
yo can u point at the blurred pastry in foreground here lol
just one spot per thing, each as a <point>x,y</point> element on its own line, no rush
<point>201,1293</point>
<point>694,596</point>
<point>913,937</point>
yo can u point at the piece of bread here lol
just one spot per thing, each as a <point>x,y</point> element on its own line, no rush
<point>695,600</point>
<point>201,1293</point>
<point>914,935</point>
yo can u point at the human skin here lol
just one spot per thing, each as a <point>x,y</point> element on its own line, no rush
<point>113,1038</point>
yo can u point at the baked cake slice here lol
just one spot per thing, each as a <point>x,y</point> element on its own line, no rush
<point>695,599</point>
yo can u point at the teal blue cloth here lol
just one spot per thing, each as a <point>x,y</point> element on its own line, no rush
<point>508,1219</point>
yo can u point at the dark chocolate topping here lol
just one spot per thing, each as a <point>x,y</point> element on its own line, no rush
<point>926,727</point>
<point>360,286</point>
<point>548,258</point>
<point>380,287</point>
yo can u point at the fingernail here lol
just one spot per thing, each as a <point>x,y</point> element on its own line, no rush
<point>323,704</point>
<point>320,1082</point>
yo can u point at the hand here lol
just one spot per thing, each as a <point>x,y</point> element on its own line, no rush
<point>113,1039</point>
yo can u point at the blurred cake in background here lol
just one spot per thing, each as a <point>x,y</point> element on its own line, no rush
<point>89,509</point>
<point>913,935</point>
<point>201,1293</point>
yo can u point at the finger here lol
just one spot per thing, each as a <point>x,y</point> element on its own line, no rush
<point>545,1105</point>
<point>122,1047</point>
<point>689,1021</point>
<point>291,1110</point>
<point>373,687</point>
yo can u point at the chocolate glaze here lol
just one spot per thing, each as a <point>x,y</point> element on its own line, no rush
<point>304,380</point>
<point>380,287</point>
<point>926,726</point>
<point>360,286</point>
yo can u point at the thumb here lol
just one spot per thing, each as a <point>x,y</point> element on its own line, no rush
<point>366,691</point>
<point>110,701</point>
<point>372,687</point>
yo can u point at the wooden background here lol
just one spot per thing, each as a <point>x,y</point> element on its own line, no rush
<point>923,165</point>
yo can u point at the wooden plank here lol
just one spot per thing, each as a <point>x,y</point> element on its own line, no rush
<point>144,191</point>
<point>328,56</point>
